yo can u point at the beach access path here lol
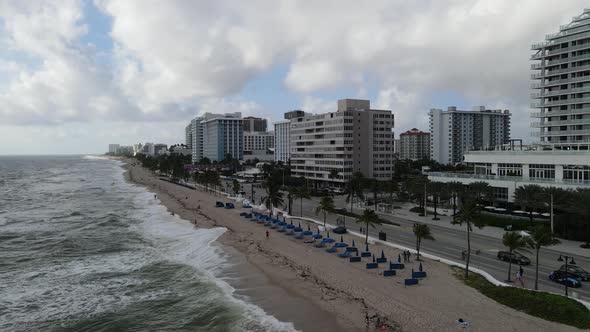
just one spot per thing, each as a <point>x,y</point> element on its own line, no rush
<point>345,289</point>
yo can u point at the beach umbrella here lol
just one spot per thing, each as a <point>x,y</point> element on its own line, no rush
<point>328,235</point>
<point>308,228</point>
<point>382,254</point>
<point>299,225</point>
<point>366,247</point>
<point>341,238</point>
<point>373,258</point>
<point>357,252</point>
<point>399,258</point>
<point>353,243</point>
<point>318,230</point>
<point>420,267</point>
<point>291,222</point>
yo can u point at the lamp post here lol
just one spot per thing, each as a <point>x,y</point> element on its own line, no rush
<point>572,262</point>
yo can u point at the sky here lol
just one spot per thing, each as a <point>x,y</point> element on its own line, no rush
<point>78,75</point>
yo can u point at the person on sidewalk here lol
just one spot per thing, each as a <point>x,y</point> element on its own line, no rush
<point>267,233</point>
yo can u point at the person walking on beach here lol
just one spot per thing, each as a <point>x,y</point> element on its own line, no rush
<point>521,272</point>
<point>267,233</point>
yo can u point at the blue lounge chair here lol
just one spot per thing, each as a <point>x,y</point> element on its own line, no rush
<point>219,204</point>
<point>249,215</point>
<point>307,233</point>
<point>298,228</point>
<point>291,232</point>
<point>317,235</point>
<point>409,282</point>
<point>290,226</point>
<point>372,266</point>
<point>418,274</point>
<point>283,229</point>
<point>300,236</point>
<point>322,244</point>
<point>230,206</point>
<point>345,254</point>
<point>354,259</point>
<point>243,214</point>
<point>312,240</point>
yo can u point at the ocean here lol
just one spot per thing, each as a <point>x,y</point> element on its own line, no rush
<point>83,250</point>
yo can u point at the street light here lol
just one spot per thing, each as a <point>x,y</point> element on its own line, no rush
<point>572,262</point>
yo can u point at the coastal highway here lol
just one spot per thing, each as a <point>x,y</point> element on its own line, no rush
<point>450,242</point>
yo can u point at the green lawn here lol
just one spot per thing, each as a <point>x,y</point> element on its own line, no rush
<point>547,306</point>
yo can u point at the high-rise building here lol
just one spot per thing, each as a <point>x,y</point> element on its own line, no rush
<point>254,124</point>
<point>283,135</point>
<point>453,132</point>
<point>355,138</point>
<point>259,145</point>
<point>188,135</point>
<point>216,135</point>
<point>414,145</point>
<point>113,148</point>
<point>562,90</point>
<point>396,147</point>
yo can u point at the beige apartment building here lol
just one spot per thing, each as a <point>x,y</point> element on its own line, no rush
<point>355,138</point>
<point>414,145</point>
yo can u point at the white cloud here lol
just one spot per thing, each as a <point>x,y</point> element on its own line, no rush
<point>174,59</point>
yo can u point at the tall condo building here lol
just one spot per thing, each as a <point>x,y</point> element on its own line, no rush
<point>562,89</point>
<point>188,136</point>
<point>259,145</point>
<point>453,132</point>
<point>216,135</point>
<point>254,124</point>
<point>113,148</point>
<point>414,145</point>
<point>355,138</point>
<point>283,135</point>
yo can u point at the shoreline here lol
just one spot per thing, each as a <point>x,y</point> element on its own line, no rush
<point>343,290</point>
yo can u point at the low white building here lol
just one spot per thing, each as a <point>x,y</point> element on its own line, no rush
<point>509,169</point>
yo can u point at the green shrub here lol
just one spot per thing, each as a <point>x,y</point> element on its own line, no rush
<point>417,209</point>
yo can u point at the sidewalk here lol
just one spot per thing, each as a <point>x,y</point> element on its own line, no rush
<point>566,246</point>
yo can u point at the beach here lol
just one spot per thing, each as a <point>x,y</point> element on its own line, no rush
<point>343,292</point>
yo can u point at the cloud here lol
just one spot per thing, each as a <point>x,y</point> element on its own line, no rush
<point>173,59</point>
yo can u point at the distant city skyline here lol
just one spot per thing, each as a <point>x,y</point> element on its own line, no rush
<point>106,75</point>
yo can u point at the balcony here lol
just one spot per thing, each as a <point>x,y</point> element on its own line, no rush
<point>560,123</point>
<point>568,49</point>
<point>559,82</point>
<point>561,102</point>
<point>481,177</point>
<point>565,132</point>
<point>559,71</point>
<point>560,112</point>
<point>560,92</point>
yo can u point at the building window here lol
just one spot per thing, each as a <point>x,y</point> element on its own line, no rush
<point>542,171</point>
<point>576,173</point>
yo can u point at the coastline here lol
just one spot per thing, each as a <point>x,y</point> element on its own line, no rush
<point>341,290</point>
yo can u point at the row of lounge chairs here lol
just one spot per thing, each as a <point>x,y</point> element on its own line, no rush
<point>351,252</point>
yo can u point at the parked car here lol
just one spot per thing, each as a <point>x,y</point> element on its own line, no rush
<point>246,206</point>
<point>229,205</point>
<point>564,278</point>
<point>339,230</point>
<point>514,257</point>
<point>338,191</point>
<point>576,272</point>
<point>219,204</point>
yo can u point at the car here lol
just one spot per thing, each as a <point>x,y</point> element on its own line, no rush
<point>576,272</point>
<point>564,278</point>
<point>246,206</point>
<point>229,205</point>
<point>514,257</point>
<point>341,211</point>
<point>338,191</point>
<point>219,204</point>
<point>339,230</point>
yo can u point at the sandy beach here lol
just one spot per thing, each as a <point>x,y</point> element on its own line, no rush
<point>344,291</point>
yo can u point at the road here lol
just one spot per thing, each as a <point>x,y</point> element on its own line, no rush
<point>450,242</point>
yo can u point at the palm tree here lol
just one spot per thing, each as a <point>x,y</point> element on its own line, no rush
<point>555,198</point>
<point>456,189</point>
<point>435,189</point>
<point>580,204</point>
<point>479,191</point>
<point>274,196</point>
<point>369,218</point>
<point>236,186</point>
<point>421,231</point>
<point>333,174</point>
<point>528,196</point>
<point>513,241</point>
<point>468,215</point>
<point>540,237</point>
<point>301,193</point>
<point>391,187</point>
<point>354,188</point>
<point>326,205</point>
<point>417,187</point>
